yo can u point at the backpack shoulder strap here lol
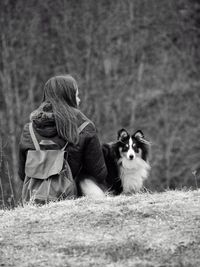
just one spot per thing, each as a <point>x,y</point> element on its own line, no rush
<point>80,129</point>
<point>63,149</point>
<point>82,126</point>
<point>34,139</point>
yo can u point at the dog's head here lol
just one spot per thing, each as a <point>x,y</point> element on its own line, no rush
<point>132,146</point>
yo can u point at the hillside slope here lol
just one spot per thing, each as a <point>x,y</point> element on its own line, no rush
<point>141,230</point>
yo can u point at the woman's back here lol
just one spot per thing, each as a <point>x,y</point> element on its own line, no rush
<point>84,157</point>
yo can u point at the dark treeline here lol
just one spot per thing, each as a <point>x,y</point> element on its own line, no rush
<point>137,66</point>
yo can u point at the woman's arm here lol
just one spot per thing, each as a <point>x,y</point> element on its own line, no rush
<point>25,143</point>
<point>93,159</point>
<point>21,163</point>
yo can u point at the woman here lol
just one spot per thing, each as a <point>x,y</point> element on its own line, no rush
<point>58,119</point>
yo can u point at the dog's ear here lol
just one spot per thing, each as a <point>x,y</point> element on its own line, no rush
<point>138,134</point>
<point>140,137</point>
<point>122,134</point>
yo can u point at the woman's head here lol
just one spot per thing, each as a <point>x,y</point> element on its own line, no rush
<point>62,88</point>
<point>62,92</point>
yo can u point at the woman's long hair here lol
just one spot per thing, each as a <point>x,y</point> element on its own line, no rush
<point>60,91</point>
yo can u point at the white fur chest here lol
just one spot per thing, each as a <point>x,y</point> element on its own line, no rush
<point>132,174</point>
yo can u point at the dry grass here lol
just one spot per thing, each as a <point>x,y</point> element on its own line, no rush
<point>141,230</point>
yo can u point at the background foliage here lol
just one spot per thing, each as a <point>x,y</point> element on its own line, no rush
<point>137,66</point>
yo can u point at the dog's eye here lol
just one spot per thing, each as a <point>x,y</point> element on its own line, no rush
<point>127,146</point>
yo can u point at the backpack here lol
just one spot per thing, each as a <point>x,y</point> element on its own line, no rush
<point>48,174</point>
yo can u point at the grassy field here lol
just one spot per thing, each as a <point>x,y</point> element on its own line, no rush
<point>141,230</point>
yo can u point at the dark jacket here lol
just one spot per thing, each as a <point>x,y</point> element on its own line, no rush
<point>85,159</point>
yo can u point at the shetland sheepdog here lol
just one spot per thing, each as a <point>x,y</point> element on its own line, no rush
<point>127,162</point>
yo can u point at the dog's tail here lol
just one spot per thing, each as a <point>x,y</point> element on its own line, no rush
<point>90,189</point>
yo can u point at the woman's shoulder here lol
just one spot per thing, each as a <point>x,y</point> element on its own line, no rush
<point>25,131</point>
<point>25,139</point>
<point>87,127</point>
